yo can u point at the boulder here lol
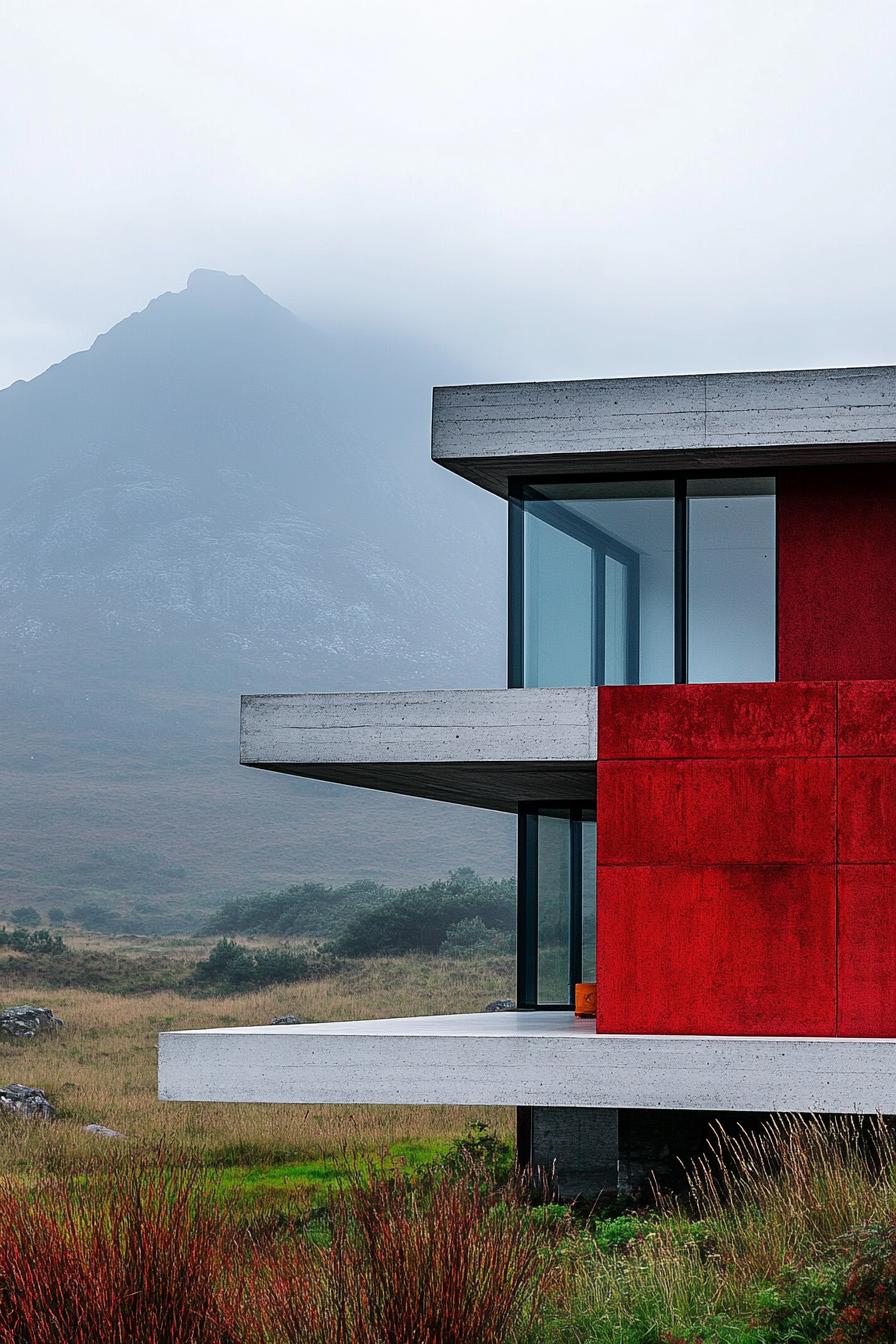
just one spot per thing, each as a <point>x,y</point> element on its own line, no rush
<point>501,1006</point>
<point>103,1131</point>
<point>288,1021</point>
<point>24,1021</point>
<point>29,1103</point>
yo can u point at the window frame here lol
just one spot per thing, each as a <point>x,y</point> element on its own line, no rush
<point>516,498</point>
<point>527,901</point>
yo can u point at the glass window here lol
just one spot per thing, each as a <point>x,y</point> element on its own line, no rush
<point>731,580</point>
<point>597,584</point>
<point>553,897</point>
<point>557,885</point>
<point>598,598</point>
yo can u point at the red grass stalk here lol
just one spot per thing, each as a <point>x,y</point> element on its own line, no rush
<point>137,1261</point>
<point>443,1262</point>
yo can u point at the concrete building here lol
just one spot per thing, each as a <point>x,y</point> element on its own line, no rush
<point>699,739</point>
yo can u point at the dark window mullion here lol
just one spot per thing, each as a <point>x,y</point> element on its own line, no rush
<point>515,593</point>
<point>681,579</point>
<point>527,910</point>
<point>599,607</point>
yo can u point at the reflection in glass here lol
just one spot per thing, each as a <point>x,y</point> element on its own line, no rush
<point>558,606</point>
<point>731,580</point>
<point>598,583</point>
<point>553,896</point>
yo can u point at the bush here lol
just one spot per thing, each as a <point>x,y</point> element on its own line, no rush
<point>418,920</point>
<point>96,917</point>
<point>233,969</point>
<point>36,942</point>
<point>481,1152</point>
<point>25,916</point>
<point>867,1308</point>
<point>474,938</point>
<point>304,910</point>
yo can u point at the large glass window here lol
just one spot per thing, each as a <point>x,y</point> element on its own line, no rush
<point>622,582</point>
<point>731,580</point>
<point>557,903</point>
<point>596,584</point>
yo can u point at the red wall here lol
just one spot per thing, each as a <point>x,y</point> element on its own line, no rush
<point>836,573</point>
<point>747,859</point>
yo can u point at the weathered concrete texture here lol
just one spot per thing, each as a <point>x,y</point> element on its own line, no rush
<point>523,1059</point>
<point>745,420</point>
<point>579,1145</point>
<point>770,854</point>
<point>488,748</point>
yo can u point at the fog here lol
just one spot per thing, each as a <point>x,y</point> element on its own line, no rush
<point>573,189</point>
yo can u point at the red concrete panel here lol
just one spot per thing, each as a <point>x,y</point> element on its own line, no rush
<point>836,561</point>
<point>699,812</point>
<point>749,719</point>
<point>866,718</point>
<point>745,950</point>
<point>866,803</point>
<point>866,951</point>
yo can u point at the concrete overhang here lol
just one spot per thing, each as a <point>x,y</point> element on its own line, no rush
<point>525,1059</point>
<point>483,748</point>
<point>715,421</point>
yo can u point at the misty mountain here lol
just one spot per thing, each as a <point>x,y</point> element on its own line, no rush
<point>217,498</point>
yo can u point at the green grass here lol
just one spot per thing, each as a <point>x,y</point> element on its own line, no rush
<point>281,1184</point>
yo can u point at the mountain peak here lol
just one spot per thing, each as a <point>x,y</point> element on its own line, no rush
<point>205,279</point>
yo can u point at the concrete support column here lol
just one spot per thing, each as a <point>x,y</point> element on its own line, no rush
<point>581,1143</point>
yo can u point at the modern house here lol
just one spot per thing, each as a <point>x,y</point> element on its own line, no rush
<point>699,739</point>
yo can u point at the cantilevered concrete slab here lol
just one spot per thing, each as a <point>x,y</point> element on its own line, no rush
<point>485,748</point>
<point>524,1059</point>
<point>752,421</point>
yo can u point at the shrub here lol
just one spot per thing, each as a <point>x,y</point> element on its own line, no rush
<point>25,916</point>
<point>96,917</point>
<point>304,910</point>
<point>39,942</point>
<point>867,1307</point>
<point>481,1152</point>
<point>231,968</point>
<point>427,1263</point>
<point>418,920</point>
<point>474,938</point>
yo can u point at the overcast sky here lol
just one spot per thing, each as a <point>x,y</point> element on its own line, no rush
<point>546,189</point>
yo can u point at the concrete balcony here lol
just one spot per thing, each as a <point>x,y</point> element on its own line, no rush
<point>748,421</point>
<point>484,748</point>
<point>525,1059</point>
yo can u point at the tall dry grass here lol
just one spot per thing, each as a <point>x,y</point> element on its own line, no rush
<point>757,1251</point>
<point>102,1068</point>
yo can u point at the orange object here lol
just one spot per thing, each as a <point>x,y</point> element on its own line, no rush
<point>586,1000</point>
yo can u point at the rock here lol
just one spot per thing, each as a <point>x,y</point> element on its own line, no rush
<point>30,1103</point>
<point>501,1006</point>
<point>288,1021</point>
<point>25,1021</point>
<point>103,1131</point>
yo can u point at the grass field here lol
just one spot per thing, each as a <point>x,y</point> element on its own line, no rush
<point>789,1239</point>
<point>102,1068</point>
